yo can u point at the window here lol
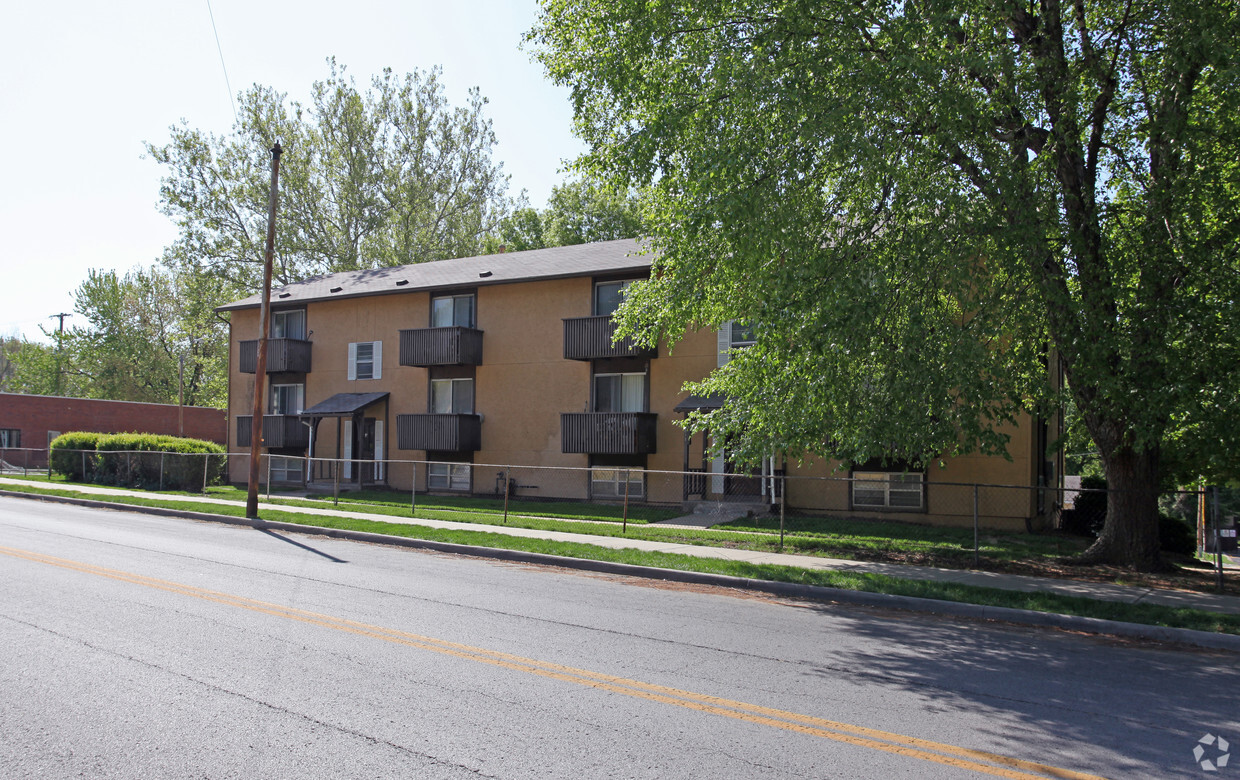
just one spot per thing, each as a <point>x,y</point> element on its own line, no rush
<point>608,295</point>
<point>452,396</point>
<point>450,310</point>
<point>887,490</point>
<point>286,469</point>
<point>286,399</point>
<point>619,392</point>
<point>742,335</point>
<point>734,334</point>
<point>366,360</point>
<point>608,482</point>
<point>448,476</point>
<point>10,438</point>
<point>288,324</point>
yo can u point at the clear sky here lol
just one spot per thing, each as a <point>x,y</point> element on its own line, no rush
<point>84,84</point>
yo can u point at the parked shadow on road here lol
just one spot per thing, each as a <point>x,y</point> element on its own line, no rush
<point>275,535</point>
<point>1145,703</point>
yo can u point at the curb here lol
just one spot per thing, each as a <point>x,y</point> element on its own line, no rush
<point>1088,625</point>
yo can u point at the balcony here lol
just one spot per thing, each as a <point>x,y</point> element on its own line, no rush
<point>451,346</point>
<point>279,430</point>
<point>441,432</point>
<point>611,433</point>
<point>587,338</point>
<point>283,356</point>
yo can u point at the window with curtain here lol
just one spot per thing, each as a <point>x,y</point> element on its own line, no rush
<point>609,295</point>
<point>289,324</point>
<point>619,392</point>
<point>453,310</point>
<point>452,396</point>
<point>286,399</point>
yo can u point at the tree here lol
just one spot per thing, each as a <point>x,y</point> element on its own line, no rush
<point>31,367</point>
<point>920,203</point>
<point>141,326</point>
<point>380,177</point>
<point>578,212</point>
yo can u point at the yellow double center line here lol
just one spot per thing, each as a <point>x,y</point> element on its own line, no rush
<point>888,742</point>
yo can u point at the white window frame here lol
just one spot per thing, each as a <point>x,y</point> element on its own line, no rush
<point>287,469</point>
<point>443,475</point>
<point>625,378</point>
<point>726,342</point>
<point>890,490</point>
<point>299,403</point>
<point>10,438</point>
<point>608,482</point>
<point>454,393</point>
<point>375,363</point>
<point>473,310</point>
<point>279,324</point>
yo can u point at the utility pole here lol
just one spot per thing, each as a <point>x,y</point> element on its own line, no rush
<point>60,339</point>
<point>264,319</point>
<point>181,397</point>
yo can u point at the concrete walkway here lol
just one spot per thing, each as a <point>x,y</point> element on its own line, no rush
<point>1092,590</point>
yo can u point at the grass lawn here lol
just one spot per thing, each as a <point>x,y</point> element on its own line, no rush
<point>850,537</point>
<point>859,581</point>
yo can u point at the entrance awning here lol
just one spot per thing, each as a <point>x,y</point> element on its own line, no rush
<point>700,403</point>
<point>343,404</point>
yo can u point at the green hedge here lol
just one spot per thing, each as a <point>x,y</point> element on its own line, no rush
<point>143,460</point>
<point>72,454</point>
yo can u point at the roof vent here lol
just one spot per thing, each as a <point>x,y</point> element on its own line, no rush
<point>285,295</point>
<point>402,282</point>
<point>485,274</point>
<point>336,289</point>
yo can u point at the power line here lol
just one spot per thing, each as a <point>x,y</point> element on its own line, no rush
<point>224,67</point>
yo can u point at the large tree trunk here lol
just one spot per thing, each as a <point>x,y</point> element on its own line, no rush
<point>1130,535</point>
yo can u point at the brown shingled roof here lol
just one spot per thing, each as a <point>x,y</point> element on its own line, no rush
<point>557,262</point>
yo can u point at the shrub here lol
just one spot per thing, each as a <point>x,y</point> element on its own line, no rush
<point>67,454</point>
<point>1090,510</point>
<point>147,461</point>
<point>1176,535</point>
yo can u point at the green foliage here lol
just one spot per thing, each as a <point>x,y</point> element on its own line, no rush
<point>35,368</point>
<point>578,212</point>
<point>139,460</point>
<point>67,454</point>
<point>137,328</point>
<point>917,203</point>
<point>1176,536</point>
<point>381,176</point>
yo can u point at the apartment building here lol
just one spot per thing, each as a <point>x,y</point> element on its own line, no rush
<point>473,363</point>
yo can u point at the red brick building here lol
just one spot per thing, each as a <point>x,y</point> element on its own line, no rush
<point>31,421</point>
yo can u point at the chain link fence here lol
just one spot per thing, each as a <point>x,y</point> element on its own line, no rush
<point>1206,518</point>
<point>22,460</point>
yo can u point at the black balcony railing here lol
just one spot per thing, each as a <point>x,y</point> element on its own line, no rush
<point>618,433</point>
<point>443,432</point>
<point>283,356</point>
<point>451,346</point>
<point>279,430</point>
<point>587,338</point>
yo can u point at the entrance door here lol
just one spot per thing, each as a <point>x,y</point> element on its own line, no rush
<point>367,450</point>
<point>743,482</point>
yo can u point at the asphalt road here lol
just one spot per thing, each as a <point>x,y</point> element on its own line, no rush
<point>143,647</point>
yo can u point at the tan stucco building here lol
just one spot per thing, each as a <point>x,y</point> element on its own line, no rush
<point>477,363</point>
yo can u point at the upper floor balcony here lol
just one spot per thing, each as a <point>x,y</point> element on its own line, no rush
<point>439,432</point>
<point>279,430</point>
<point>283,356</point>
<point>608,433</point>
<point>587,338</point>
<point>448,346</point>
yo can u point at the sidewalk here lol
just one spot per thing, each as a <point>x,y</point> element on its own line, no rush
<point>1092,590</point>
